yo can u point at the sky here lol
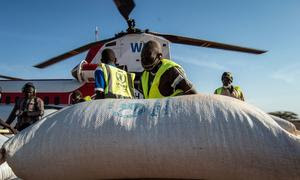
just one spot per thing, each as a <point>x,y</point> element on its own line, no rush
<point>32,31</point>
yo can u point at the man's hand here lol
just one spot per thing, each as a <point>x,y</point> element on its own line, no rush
<point>7,126</point>
<point>14,131</point>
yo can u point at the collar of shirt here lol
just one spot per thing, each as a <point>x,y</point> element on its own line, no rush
<point>111,64</point>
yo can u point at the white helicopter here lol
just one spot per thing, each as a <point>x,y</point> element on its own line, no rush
<point>127,47</point>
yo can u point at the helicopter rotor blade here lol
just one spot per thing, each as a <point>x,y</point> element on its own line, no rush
<point>69,54</point>
<point>208,44</point>
<point>9,77</point>
<point>125,7</point>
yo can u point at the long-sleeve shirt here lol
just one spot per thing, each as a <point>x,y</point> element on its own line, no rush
<point>99,80</point>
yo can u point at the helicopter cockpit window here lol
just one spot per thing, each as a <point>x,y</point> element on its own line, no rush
<point>7,100</point>
<point>57,100</point>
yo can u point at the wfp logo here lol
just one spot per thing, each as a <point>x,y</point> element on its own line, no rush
<point>120,77</point>
<point>136,47</point>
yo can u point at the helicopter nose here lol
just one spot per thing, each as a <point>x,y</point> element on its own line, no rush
<point>74,72</point>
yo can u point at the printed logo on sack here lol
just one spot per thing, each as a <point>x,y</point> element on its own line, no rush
<point>133,110</point>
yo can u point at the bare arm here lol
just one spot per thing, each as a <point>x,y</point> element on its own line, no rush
<point>184,84</point>
<point>5,125</point>
<point>187,88</point>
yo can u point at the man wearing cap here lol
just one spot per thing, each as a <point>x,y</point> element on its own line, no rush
<point>29,109</point>
<point>228,89</point>
<point>110,81</point>
<point>162,77</point>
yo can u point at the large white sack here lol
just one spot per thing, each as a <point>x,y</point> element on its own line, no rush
<point>199,136</point>
<point>5,171</point>
<point>288,126</point>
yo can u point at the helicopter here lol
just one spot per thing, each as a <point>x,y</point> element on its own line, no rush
<point>127,46</point>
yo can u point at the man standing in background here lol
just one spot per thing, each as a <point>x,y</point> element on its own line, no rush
<point>29,109</point>
<point>228,89</point>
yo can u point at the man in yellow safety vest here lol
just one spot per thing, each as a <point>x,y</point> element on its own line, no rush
<point>228,89</point>
<point>162,77</point>
<point>110,81</point>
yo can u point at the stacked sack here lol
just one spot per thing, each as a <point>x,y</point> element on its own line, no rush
<point>188,137</point>
<point>5,171</point>
<point>288,126</point>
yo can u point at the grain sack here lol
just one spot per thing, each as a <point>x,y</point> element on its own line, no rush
<point>288,126</point>
<point>195,137</point>
<point>5,171</point>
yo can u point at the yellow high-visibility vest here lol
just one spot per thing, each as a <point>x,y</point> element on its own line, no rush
<point>119,83</point>
<point>221,89</point>
<point>154,91</point>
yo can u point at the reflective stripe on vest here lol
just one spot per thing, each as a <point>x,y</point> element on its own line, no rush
<point>119,83</point>
<point>237,88</point>
<point>154,91</point>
